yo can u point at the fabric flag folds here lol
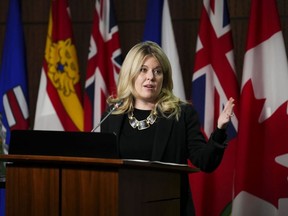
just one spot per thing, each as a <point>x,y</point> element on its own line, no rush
<point>59,104</point>
<point>214,82</point>
<point>158,28</point>
<point>13,81</point>
<point>104,63</point>
<point>261,185</point>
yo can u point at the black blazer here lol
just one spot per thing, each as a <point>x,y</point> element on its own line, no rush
<point>176,142</point>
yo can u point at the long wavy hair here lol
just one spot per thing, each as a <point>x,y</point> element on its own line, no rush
<point>166,103</point>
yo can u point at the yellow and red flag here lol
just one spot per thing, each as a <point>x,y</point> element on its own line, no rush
<point>59,104</point>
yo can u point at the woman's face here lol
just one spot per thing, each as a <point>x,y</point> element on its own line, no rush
<point>148,83</point>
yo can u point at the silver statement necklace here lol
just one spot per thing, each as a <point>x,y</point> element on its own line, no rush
<point>142,124</point>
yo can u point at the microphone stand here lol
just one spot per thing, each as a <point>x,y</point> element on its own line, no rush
<point>116,106</point>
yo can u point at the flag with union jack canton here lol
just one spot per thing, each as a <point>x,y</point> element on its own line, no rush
<point>104,63</point>
<point>214,82</point>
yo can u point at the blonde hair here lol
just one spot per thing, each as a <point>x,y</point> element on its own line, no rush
<point>167,103</point>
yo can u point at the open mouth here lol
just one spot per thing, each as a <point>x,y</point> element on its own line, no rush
<point>149,86</point>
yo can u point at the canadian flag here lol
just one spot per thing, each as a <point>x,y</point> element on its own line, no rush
<point>261,185</point>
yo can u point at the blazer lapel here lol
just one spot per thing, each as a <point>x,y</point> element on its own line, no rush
<point>163,131</point>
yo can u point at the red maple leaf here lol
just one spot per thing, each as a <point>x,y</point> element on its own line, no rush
<point>258,145</point>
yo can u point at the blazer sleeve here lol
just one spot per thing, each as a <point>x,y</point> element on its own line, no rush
<point>206,155</point>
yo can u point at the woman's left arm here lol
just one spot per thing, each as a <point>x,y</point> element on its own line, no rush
<point>207,156</point>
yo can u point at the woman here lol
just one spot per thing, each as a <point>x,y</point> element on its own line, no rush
<point>153,124</point>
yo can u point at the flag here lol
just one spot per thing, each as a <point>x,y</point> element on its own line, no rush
<point>13,82</point>
<point>214,81</point>
<point>104,63</point>
<point>158,28</point>
<point>59,105</point>
<point>261,186</point>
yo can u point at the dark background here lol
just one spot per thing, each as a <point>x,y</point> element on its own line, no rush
<point>130,15</point>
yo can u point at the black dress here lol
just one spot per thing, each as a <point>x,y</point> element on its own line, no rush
<point>134,143</point>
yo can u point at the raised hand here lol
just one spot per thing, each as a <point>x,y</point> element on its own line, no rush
<point>226,114</point>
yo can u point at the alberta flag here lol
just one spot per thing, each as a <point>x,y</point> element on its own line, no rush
<point>158,28</point>
<point>261,185</point>
<point>13,75</point>
<point>214,82</point>
<point>104,63</point>
<point>59,104</point>
<point>13,81</point>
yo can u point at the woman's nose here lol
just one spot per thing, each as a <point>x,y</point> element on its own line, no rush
<point>150,75</point>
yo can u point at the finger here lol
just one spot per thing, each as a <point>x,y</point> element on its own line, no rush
<point>228,109</point>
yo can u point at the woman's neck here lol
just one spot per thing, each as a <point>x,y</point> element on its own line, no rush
<point>144,105</point>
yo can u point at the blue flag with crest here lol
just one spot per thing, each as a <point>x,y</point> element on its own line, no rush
<point>13,82</point>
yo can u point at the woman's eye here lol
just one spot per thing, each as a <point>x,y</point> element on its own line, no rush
<point>143,70</point>
<point>157,72</point>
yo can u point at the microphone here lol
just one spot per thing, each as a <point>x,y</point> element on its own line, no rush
<point>116,106</point>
